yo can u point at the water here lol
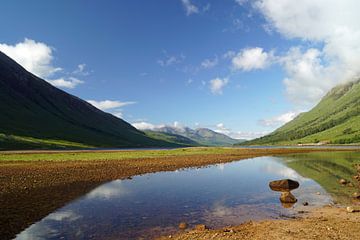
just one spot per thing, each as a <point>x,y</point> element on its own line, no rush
<point>154,204</point>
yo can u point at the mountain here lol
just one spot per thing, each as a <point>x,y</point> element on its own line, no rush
<point>171,138</point>
<point>202,136</point>
<point>34,114</point>
<point>335,120</point>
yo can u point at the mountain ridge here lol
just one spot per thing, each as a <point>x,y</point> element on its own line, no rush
<point>202,136</point>
<point>334,120</point>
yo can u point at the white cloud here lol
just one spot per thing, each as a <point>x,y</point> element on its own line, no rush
<point>279,120</point>
<point>334,26</point>
<point>190,8</point>
<point>70,82</point>
<point>108,104</point>
<point>221,128</point>
<point>241,2</point>
<point>115,189</point>
<point>149,126</point>
<point>209,63</point>
<point>248,135</point>
<point>35,57</point>
<point>217,85</point>
<point>144,126</point>
<point>251,58</point>
<point>170,60</point>
<point>229,54</point>
<point>80,70</point>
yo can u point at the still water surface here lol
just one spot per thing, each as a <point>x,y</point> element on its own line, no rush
<point>154,204</point>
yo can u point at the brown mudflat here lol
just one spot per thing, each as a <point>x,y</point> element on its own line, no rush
<point>324,223</point>
<point>30,190</point>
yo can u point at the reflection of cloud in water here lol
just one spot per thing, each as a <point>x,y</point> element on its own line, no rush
<point>221,166</point>
<point>220,210</point>
<point>113,189</point>
<point>43,230</point>
<point>284,172</point>
<point>63,216</point>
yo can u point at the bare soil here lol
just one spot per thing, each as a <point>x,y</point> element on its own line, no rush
<point>324,223</point>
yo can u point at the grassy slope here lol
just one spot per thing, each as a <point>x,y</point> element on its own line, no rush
<point>327,169</point>
<point>171,138</point>
<point>336,119</point>
<point>34,114</point>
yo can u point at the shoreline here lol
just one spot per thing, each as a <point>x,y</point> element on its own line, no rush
<point>328,222</point>
<point>31,189</point>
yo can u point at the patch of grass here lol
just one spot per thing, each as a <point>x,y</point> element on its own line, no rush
<point>108,155</point>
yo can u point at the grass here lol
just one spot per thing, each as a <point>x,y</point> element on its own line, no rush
<point>108,155</point>
<point>336,120</point>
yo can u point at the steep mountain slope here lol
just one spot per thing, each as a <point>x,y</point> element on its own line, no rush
<point>34,114</point>
<point>202,136</point>
<point>336,120</point>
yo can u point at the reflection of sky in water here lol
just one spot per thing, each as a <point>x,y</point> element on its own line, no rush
<point>154,204</point>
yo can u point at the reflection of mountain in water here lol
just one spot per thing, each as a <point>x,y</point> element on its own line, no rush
<point>327,169</point>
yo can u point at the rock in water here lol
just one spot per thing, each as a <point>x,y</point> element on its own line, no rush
<point>284,185</point>
<point>183,225</point>
<point>201,227</point>
<point>287,197</point>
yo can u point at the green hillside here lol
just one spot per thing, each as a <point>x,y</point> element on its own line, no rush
<point>335,120</point>
<point>171,138</point>
<point>34,115</point>
<point>201,136</point>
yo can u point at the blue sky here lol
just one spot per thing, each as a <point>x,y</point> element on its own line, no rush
<point>239,67</point>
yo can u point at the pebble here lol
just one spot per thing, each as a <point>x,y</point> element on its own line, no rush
<point>352,209</point>
<point>183,225</point>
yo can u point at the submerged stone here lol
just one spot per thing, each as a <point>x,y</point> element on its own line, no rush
<point>183,225</point>
<point>287,197</point>
<point>283,185</point>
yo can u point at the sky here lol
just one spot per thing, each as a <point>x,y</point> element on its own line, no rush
<point>239,67</point>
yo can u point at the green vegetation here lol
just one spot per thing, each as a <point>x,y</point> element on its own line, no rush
<point>335,120</point>
<point>116,155</point>
<point>327,168</point>
<point>200,136</point>
<point>36,115</point>
<point>171,138</point>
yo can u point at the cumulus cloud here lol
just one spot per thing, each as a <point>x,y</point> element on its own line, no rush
<point>108,104</point>
<point>280,119</point>
<point>70,82</point>
<point>144,126</point>
<point>251,58</point>
<point>149,126</point>
<point>334,26</point>
<point>35,57</point>
<point>217,85</point>
<point>189,7</point>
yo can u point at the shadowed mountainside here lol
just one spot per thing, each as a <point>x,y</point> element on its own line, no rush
<point>35,114</point>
